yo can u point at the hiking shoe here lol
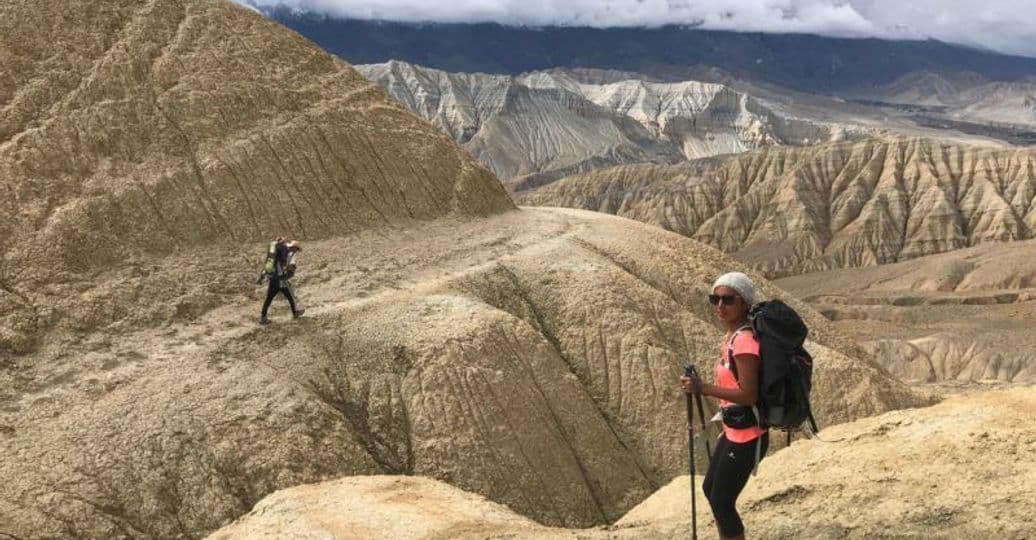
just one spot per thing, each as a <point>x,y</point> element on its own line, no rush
<point>264,320</point>
<point>298,313</point>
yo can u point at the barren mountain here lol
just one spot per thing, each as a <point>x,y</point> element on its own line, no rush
<point>533,128</point>
<point>955,317</point>
<point>962,469</point>
<point>151,149</point>
<point>792,210</point>
<point>963,96</point>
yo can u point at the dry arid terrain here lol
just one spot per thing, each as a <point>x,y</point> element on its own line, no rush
<point>921,250</point>
<point>452,341</point>
<point>537,127</point>
<point>529,356</point>
<point>965,468</point>
<point>964,96</point>
<point>791,210</point>
<point>953,318</point>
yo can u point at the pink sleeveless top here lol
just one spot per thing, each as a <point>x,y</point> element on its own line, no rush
<point>744,343</point>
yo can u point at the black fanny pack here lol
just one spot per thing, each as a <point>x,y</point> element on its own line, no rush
<point>739,417</point>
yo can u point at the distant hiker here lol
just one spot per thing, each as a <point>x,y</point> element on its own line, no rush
<point>275,270</point>
<point>743,442</point>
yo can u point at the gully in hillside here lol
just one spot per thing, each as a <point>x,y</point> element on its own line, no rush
<point>744,441</point>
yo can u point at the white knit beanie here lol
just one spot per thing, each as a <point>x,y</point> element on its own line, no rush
<point>740,283</point>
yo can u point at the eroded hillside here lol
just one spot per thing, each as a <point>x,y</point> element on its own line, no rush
<point>529,356</point>
<point>534,128</point>
<point>955,317</point>
<point>924,473</point>
<point>495,361</point>
<point>130,130</point>
<point>792,210</point>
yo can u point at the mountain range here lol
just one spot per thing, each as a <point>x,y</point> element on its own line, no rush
<point>533,128</point>
<point>801,62</point>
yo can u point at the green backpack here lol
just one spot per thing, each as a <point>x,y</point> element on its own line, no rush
<point>270,264</point>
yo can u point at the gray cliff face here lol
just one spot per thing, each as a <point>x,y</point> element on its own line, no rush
<point>534,128</point>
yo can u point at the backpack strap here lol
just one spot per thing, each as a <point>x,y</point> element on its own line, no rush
<point>730,349</point>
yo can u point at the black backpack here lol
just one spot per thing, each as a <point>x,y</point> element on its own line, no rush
<point>785,368</point>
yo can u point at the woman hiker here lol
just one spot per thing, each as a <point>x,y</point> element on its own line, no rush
<point>743,441</point>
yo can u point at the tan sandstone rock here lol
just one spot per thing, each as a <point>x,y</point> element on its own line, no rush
<point>792,210</point>
<point>962,469</point>
<point>961,316</point>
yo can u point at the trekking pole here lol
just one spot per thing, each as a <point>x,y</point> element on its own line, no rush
<point>701,415</point>
<point>689,371</point>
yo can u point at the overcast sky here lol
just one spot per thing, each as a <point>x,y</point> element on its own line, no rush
<point>1003,25</point>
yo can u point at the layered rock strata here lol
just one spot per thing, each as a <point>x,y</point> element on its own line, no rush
<point>791,210</point>
<point>952,318</point>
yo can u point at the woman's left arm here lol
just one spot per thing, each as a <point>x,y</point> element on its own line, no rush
<point>748,381</point>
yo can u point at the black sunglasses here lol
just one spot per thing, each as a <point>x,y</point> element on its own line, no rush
<point>727,299</point>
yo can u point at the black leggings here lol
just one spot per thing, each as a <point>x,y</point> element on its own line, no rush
<point>731,465</point>
<point>271,292</point>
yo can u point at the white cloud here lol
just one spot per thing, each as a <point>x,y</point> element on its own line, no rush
<point>1004,25</point>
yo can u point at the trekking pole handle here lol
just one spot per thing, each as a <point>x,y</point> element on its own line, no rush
<point>689,370</point>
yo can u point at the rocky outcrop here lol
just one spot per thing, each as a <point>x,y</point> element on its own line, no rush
<point>877,479</point>
<point>369,507</point>
<point>791,210</point>
<point>534,128</point>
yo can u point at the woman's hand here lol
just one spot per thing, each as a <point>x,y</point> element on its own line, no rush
<point>691,386</point>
